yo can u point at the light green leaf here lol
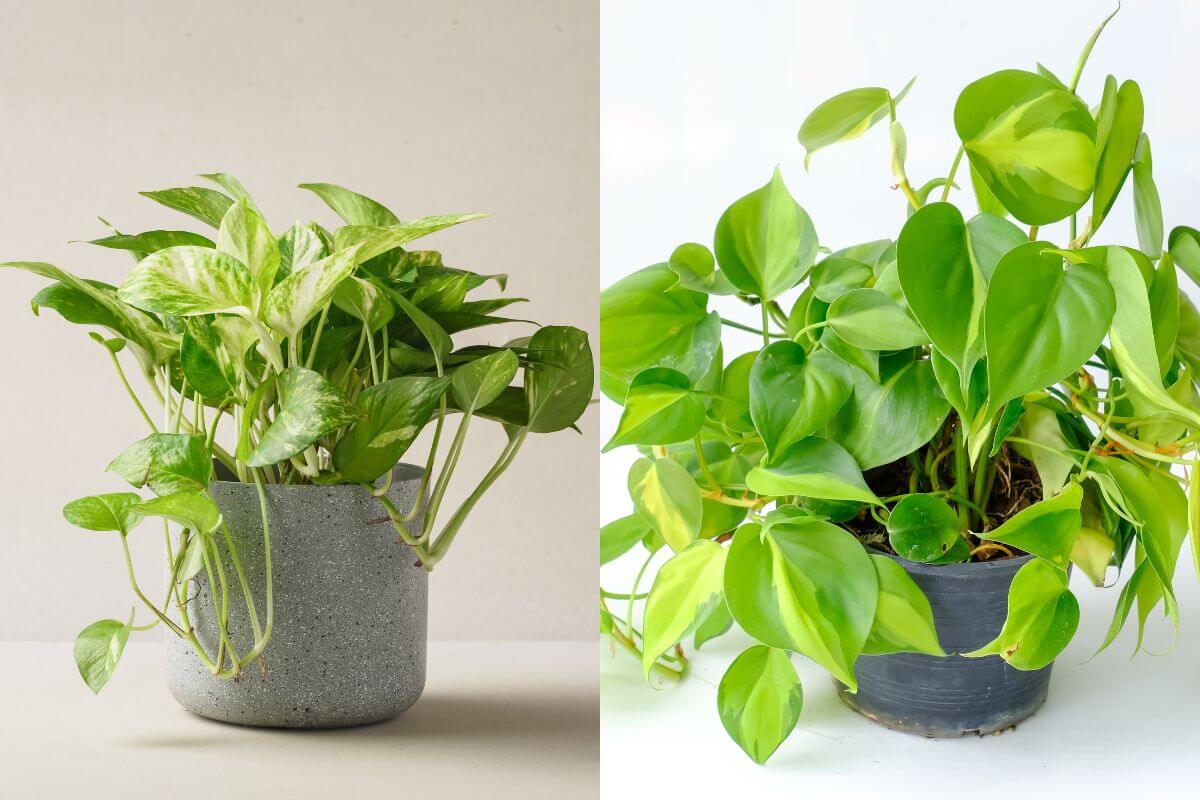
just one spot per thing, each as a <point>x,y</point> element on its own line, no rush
<point>696,269</point>
<point>104,512</point>
<point>353,208</point>
<point>814,467</point>
<point>619,536</point>
<point>245,236</point>
<point>1046,529</point>
<point>984,199</point>
<point>1052,461</point>
<point>667,497</point>
<point>1032,143</point>
<point>1120,146</point>
<point>364,301</point>
<point>685,591</point>
<point>558,387</point>
<point>1042,618</point>
<point>844,117</point>
<point>378,239</point>
<point>870,319</point>
<point>923,528</point>
<point>192,559</point>
<point>98,649</point>
<point>1184,244</point>
<point>166,462</point>
<point>989,237</point>
<point>298,248</point>
<point>479,382</point>
<point>765,242</point>
<point>1041,321</point>
<point>206,205</point>
<point>297,298</point>
<point>311,407</point>
<point>394,412</point>
<point>792,394</point>
<point>659,409</point>
<point>903,618</point>
<point>188,509</point>
<point>836,275</point>
<point>717,623</point>
<point>759,700</point>
<point>189,280</point>
<point>143,244</point>
<point>804,585</point>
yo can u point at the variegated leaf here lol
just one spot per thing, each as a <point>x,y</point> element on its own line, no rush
<point>189,280</point>
<point>364,301</point>
<point>143,244</point>
<point>206,205</point>
<point>232,185</point>
<point>298,248</point>
<point>311,407</point>
<point>245,236</point>
<point>354,208</point>
<point>395,410</point>
<point>378,239</point>
<point>1032,143</point>
<point>299,296</point>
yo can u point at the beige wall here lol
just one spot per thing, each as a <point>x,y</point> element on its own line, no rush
<point>430,107</point>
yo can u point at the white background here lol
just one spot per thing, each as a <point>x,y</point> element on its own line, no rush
<point>699,102</point>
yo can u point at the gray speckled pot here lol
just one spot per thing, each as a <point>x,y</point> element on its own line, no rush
<point>348,644</point>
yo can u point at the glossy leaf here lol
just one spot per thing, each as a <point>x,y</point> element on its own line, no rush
<point>375,240</point>
<point>792,394</point>
<point>923,528</point>
<point>696,269</point>
<point>311,407</point>
<point>815,467</point>
<point>559,390</point>
<point>1032,143</point>
<point>661,408</point>
<point>870,319</point>
<point>301,295</point>
<point>364,301</point>
<point>718,622</point>
<point>245,236</point>
<point>835,276</point>
<point>765,242</point>
<point>989,237</point>
<point>804,585</point>
<point>352,207</point>
<point>394,412</point>
<point>104,512</point>
<point>668,499</point>
<point>844,117</point>
<point>143,244</point>
<point>207,205</point>
<point>903,619</point>
<point>685,591</point>
<point>1120,146</point>
<point>298,248</point>
<point>166,462</point>
<point>98,649</point>
<point>619,536</point>
<point>191,510</point>
<point>479,382</point>
<point>1042,618</point>
<point>759,699</point>
<point>1046,529</point>
<point>205,360</point>
<point>189,280</point>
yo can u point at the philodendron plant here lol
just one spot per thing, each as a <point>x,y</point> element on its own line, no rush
<point>977,388</point>
<point>312,357</point>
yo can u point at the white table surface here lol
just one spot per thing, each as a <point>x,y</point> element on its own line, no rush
<point>497,720</point>
<point>1111,728</point>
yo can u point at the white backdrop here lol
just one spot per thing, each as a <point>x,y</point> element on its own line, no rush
<point>699,102</point>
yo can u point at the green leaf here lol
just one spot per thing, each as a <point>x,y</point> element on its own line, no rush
<point>882,422</point>
<point>619,536</point>
<point>364,301</point>
<point>301,295</point>
<point>844,117</point>
<point>923,528</point>
<point>1041,321</point>
<point>944,288</point>
<point>1046,529</point>
<point>814,467</point>
<point>190,280</point>
<point>206,205</point>
<point>989,237</point>
<point>559,388</point>
<point>189,509</point>
<point>836,275</point>
<point>1042,618</point>
<point>903,618</point>
<point>1010,417</point>
<point>792,395</point>
<point>439,341</point>
<point>1163,297</point>
<point>667,497</point>
<point>192,559</point>
<point>685,591</point>
<point>311,407</point>
<point>98,649</point>
<point>717,623</point>
<point>245,236</point>
<point>659,409</point>
<point>230,184</point>
<point>479,382</point>
<point>1147,207</point>
<point>1032,143</point>
<point>759,699</point>
<point>1184,244</point>
<point>804,585</point>
<point>765,242</point>
<point>298,248</point>
<point>104,512</point>
<point>376,240</point>
<point>1120,145</point>
<point>645,323</point>
<point>353,208</point>
<point>166,462</point>
<point>143,244</point>
<point>394,412</point>
<point>205,361</point>
<point>984,199</point>
<point>697,270</point>
<point>870,319</point>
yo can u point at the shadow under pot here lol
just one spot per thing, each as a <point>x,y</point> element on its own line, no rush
<point>952,696</point>
<point>348,643</point>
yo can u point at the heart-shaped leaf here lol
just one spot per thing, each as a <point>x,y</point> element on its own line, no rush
<point>311,407</point>
<point>923,528</point>
<point>394,413</point>
<point>1125,117</point>
<point>1042,618</point>
<point>792,394</point>
<point>667,497</point>
<point>479,382</point>
<point>903,618</point>
<point>559,387</point>
<point>245,236</point>
<point>686,590</point>
<point>619,536</point>
<point>191,510</point>
<point>814,467</point>
<point>188,280</point>
<point>104,512</point>
<point>205,361</point>
<point>297,298</point>
<point>98,649</point>
<point>696,268</point>
<point>759,699</point>
<point>207,205</point>
<point>844,117</point>
<point>870,319</point>
<point>660,408</point>
<point>298,248</point>
<point>166,462</point>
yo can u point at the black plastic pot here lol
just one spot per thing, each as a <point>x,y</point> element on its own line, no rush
<point>952,696</point>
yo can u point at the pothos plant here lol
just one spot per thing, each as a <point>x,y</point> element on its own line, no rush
<point>312,357</point>
<point>976,388</point>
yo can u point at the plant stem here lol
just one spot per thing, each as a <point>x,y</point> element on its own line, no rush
<point>766,323</point>
<point>704,466</point>
<point>739,326</point>
<point>961,478</point>
<point>141,595</point>
<point>953,170</point>
<point>129,390</point>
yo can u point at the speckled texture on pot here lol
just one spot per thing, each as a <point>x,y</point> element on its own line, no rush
<point>349,636</point>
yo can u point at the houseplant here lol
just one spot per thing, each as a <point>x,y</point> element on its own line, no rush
<point>299,368</point>
<point>933,424</point>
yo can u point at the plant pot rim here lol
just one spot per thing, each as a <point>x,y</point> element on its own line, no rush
<point>400,473</point>
<point>997,567</point>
